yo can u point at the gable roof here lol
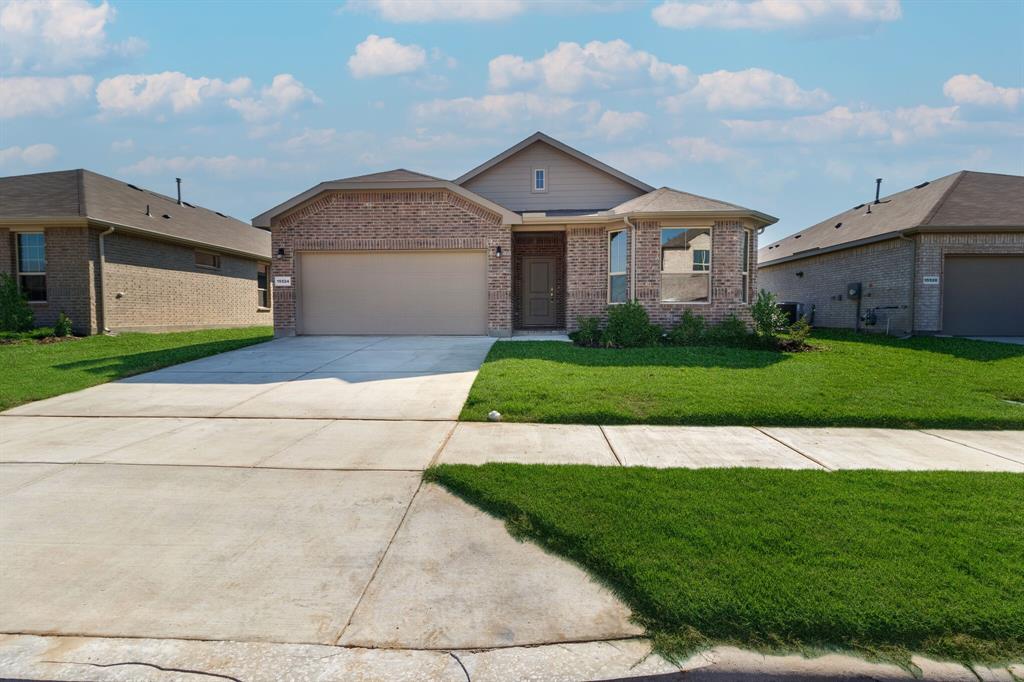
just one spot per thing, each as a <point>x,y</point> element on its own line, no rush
<point>560,146</point>
<point>966,200</point>
<point>83,194</point>
<point>399,178</point>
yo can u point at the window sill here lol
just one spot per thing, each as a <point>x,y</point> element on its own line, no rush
<point>685,302</point>
<point>261,309</point>
<point>207,267</point>
<point>38,302</point>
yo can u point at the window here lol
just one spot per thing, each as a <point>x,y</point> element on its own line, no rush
<point>32,265</point>
<point>745,267</point>
<point>617,291</point>
<point>540,180</point>
<point>262,285</point>
<point>205,259</point>
<point>686,265</point>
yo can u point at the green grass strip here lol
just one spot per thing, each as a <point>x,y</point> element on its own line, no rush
<point>881,563</point>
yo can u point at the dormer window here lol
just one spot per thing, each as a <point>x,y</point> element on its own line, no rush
<point>540,180</point>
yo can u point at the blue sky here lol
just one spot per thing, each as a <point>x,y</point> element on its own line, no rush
<point>791,107</point>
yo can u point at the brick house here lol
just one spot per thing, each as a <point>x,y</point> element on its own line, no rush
<point>114,256</point>
<point>943,257</point>
<point>530,240</point>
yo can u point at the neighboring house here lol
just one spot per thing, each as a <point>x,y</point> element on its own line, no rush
<point>943,257</point>
<point>532,239</point>
<point>114,256</point>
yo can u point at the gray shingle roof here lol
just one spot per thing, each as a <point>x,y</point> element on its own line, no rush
<point>84,194</point>
<point>966,200</point>
<point>668,200</point>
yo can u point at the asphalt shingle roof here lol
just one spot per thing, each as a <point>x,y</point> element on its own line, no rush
<point>84,194</point>
<point>966,200</point>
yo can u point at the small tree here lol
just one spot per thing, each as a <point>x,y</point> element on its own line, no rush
<point>62,326</point>
<point>769,319</point>
<point>15,313</point>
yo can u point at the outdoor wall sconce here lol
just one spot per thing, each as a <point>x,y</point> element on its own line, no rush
<point>497,251</point>
<point>800,274</point>
<point>280,253</point>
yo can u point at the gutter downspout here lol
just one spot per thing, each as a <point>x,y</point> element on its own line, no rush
<point>102,298</point>
<point>632,257</point>
<point>913,281</point>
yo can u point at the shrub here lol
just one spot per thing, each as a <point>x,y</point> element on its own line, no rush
<point>630,327</point>
<point>588,332</point>
<point>15,313</point>
<point>689,331</point>
<point>63,326</point>
<point>732,331</point>
<point>769,319</point>
<point>800,330</point>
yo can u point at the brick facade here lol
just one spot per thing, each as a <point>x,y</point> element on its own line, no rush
<point>885,270</point>
<point>587,272</point>
<point>542,245</point>
<point>162,288</point>
<point>392,220</point>
<point>157,286</point>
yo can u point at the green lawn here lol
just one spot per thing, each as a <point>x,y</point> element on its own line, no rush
<point>854,380</point>
<point>883,563</point>
<point>32,371</point>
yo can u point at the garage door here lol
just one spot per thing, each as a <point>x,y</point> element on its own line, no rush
<point>394,292</point>
<point>983,296</point>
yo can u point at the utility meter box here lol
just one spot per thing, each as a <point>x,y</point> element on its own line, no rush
<point>853,291</point>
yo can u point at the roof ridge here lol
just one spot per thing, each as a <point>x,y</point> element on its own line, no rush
<point>942,199</point>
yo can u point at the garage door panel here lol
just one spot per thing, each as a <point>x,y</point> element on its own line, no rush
<point>405,292</point>
<point>983,296</point>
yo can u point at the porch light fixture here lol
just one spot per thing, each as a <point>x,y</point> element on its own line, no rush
<point>280,252</point>
<point>497,251</point>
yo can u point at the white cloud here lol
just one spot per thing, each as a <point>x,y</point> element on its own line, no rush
<point>701,150</point>
<point>572,67</point>
<point>748,89</point>
<point>618,124</point>
<point>227,166</point>
<point>42,35</point>
<point>310,138</point>
<point>773,14</point>
<point>419,11</point>
<point>841,123</point>
<point>126,145</point>
<point>32,155</point>
<point>33,95</point>
<point>284,94</point>
<point>144,93</point>
<point>974,89</point>
<point>492,111</point>
<point>378,56</point>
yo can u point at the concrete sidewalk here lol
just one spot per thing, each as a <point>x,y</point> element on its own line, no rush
<point>359,444</point>
<point>736,446</point>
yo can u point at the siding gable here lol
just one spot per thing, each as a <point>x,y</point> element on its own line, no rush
<point>572,184</point>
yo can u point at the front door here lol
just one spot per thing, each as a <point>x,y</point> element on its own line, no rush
<point>539,292</point>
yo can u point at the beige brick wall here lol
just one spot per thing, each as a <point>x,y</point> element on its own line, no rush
<point>400,220</point>
<point>67,275</point>
<point>882,268</point>
<point>587,273</point>
<point>932,251</point>
<point>162,289</point>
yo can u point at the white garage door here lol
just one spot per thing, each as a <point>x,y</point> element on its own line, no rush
<point>393,292</point>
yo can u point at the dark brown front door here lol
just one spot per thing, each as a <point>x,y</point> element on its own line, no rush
<point>539,292</point>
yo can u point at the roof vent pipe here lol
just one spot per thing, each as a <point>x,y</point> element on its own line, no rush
<point>147,211</point>
<point>178,180</point>
<point>878,189</point>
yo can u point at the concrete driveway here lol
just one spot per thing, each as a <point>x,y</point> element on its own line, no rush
<point>328,377</point>
<point>273,494</point>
